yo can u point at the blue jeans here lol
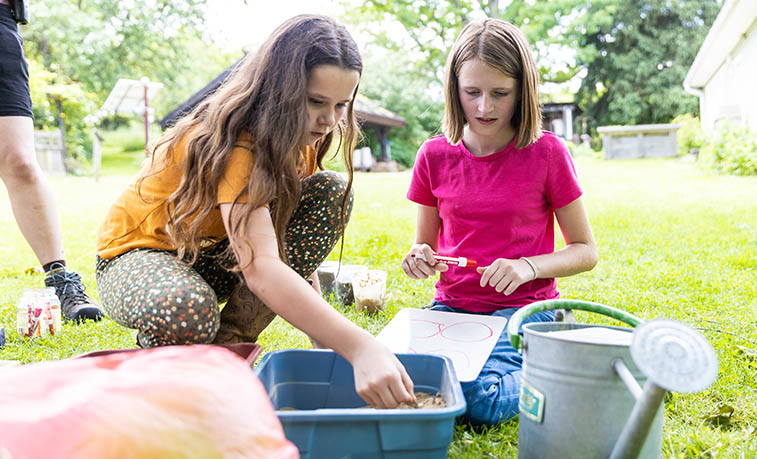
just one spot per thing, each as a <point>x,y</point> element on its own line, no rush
<point>493,396</point>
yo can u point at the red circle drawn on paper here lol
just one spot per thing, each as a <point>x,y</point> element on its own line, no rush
<point>423,329</point>
<point>467,332</point>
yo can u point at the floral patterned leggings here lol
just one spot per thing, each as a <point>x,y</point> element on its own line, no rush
<point>171,302</point>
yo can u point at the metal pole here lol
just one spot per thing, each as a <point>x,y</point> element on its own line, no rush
<point>96,153</point>
<point>635,432</point>
<point>147,121</point>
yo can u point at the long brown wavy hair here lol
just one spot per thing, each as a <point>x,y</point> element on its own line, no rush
<point>266,96</point>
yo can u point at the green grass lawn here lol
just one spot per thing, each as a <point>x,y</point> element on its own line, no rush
<point>674,242</point>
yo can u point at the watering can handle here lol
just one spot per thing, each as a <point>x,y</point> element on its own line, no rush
<point>549,305</point>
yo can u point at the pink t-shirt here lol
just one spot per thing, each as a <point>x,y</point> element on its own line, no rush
<point>496,206</point>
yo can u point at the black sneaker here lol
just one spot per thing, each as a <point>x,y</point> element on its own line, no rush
<point>74,303</point>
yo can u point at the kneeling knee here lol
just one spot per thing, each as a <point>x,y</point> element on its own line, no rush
<point>182,326</point>
<point>490,404</point>
<point>330,180</point>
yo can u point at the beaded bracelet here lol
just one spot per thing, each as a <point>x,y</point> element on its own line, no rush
<point>532,265</point>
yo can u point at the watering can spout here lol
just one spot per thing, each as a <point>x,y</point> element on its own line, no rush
<point>635,432</point>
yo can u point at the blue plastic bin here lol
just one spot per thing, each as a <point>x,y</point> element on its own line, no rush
<point>319,385</point>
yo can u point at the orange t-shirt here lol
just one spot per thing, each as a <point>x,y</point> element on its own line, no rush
<point>133,222</point>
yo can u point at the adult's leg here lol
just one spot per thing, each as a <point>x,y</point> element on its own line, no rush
<point>30,195</point>
<point>159,295</point>
<point>312,233</point>
<point>33,206</point>
<point>31,198</point>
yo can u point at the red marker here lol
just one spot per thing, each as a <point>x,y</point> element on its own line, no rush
<point>454,261</point>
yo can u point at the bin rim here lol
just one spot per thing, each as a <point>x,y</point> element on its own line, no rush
<point>336,414</point>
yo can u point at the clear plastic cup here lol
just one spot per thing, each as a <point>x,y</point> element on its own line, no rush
<point>369,288</point>
<point>38,312</point>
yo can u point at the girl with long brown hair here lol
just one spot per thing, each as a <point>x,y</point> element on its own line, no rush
<point>233,189</point>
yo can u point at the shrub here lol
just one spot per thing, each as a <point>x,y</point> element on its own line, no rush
<point>582,150</point>
<point>690,135</point>
<point>130,135</point>
<point>731,149</point>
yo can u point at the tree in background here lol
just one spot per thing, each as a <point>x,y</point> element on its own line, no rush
<point>430,27</point>
<point>59,103</point>
<point>640,59</point>
<point>421,32</point>
<point>78,50</point>
<point>387,81</point>
<point>632,54</point>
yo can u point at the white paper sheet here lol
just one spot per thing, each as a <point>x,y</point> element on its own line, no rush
<point>467,339</point>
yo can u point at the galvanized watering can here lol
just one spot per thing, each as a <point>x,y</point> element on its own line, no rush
<point>581,395</point>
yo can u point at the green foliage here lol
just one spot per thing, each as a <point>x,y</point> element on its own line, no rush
<point>98,42</point>
<point>55,98</point>
<point>674,242</point>
<point>130,137</point>
<point>386,80</point>
<point>637,57</point>
<point>123,149</point>
<point>78,50</point>
<point>431,27</point>
<point>581,150</point>
<point>730,149</point>
<point>690,135</point>
<point>634,54</point>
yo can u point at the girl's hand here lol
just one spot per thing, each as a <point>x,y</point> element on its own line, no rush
<point>505,275</point>
<point>418,268</point>
<point>380,379</point>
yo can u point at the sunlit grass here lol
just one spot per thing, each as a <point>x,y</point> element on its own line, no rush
<point>674,242</point>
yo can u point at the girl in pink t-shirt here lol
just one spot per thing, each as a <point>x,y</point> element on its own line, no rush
<point>489,189</point>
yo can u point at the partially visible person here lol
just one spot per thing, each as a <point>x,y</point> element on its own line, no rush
<point>490,189</point>
<point>233,189</point>
<point>31,197</point>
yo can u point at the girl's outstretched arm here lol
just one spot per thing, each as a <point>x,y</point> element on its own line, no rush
<point>379,377</point>
<point>426,242</point>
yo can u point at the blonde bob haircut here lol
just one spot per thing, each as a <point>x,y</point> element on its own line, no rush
<point>504,47</point>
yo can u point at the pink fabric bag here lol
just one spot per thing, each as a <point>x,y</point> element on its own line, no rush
<point>176,401</point>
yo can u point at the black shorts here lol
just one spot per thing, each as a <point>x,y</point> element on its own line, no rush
<point>15,99</point>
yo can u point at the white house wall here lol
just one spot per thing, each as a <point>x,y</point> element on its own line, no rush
<point>731,93</point>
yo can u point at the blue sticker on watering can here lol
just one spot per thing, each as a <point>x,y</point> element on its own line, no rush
<point>531,402</point>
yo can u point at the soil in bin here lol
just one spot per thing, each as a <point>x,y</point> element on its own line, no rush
<point>423,401</point>
<point>426,401</point>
